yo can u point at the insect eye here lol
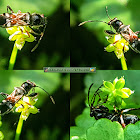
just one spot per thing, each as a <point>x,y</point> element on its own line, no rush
<point>26,86</point>
<point>2,20</point>
<point>117,24</point>
<point>36,19</point>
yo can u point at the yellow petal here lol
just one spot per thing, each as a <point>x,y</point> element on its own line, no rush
<point>12,30</point>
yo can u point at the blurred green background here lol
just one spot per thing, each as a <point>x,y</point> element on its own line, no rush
<point>53,49</point>
<point>88,41</point>
<point>52,122</point>
<point>80,84</point>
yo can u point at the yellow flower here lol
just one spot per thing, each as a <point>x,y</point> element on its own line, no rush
<point>26,107</point>
<point>118,44</point>
<point>116,91</point>
<point>20,34</point>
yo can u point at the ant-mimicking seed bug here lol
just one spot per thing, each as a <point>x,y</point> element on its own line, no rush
<point>100,111</point>
<point>124,30</point>
<point>10,100</point>
<point>8,20</point>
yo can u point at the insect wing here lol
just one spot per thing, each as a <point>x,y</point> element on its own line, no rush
<point>131,37</point>
<point>4,109</point>
<point>7,104</point>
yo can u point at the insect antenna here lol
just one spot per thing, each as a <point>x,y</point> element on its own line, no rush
<point>6,112</point>
<point>93,97</point>
<point>107,12</point>
<point>96,93</point>
<point>41,35</point>
<point>48,94</point>
<point>91,21</point>
<point>8,7</point>
<point>89,92</point>
<point>3,95</point>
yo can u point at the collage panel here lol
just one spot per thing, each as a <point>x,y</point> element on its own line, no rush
<point>105,34</point>
<point>69,70</point>
<point>105,105</point>
<point>34,105</point>
<point>34,34</point>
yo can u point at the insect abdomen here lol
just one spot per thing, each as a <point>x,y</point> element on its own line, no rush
<point>2,20</point>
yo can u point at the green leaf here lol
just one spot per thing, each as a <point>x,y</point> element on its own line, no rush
<point>104,129</point>
<point>1,136</point>
<point>76,138</point>
<point>77,132</point>
<point>132,132</point>
<point>84,120</point>
<point>0,123</point>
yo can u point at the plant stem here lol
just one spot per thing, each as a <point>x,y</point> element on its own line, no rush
<point>19,128</point>
<point>13,58</point>
<point>123,62</point>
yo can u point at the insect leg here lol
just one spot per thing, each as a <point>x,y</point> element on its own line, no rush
<point>26,32</point>
<point>8,7</point>
<point>41,35</point>
<point>6,112</point>
<point>109,32</point>
<point>32,95</point>
<point>122,121</point>
<point>137,32</point>
<point>2,94</point>
<point>133,46</point>
<point>129,109</point>
<point>123,111</point>
<point>103,102</point>
<point>22,106</point>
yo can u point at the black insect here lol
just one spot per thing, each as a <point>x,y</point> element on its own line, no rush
<point>10,100</point>
<point>123,30</point>
<point>100,111</point>
<point>11,19</point>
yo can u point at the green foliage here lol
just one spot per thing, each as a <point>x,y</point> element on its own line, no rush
<point>116,91</point>
<point>87,128</point>
<point>54,83</point>
<point>132,132</point>
<point>83,122</point>
<point>131,81</point>
<point>52,50</point>
<point>49,82</point>
<point>90,38</point>
<point>1,134</point>
<point>104,129</point>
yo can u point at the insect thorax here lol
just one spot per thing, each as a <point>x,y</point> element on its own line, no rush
<point>37,20</point>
